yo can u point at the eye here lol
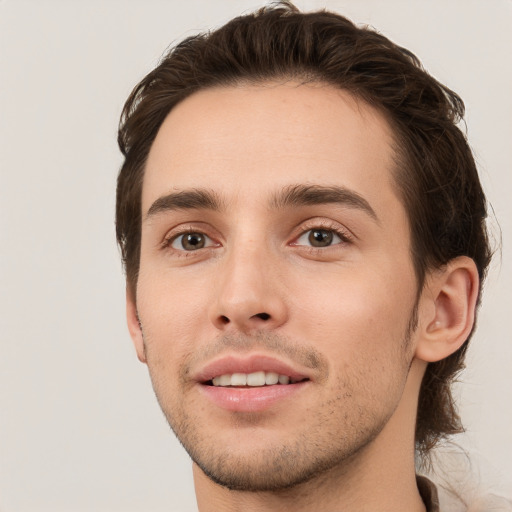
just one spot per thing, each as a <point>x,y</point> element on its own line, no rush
<point>319,238</point>
<point>190,242</point>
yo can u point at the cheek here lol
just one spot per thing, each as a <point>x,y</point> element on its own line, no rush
<point>356,312</point>
<point>361,327</point>
<point>170,311</point>
<point>172,298</point>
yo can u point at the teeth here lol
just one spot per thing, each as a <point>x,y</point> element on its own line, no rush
<point>271,378</point>
<point>283,379</point>
<point>252,379</point>
<point>224,380</point>
<point>239,379</point>
<point>255,379</point>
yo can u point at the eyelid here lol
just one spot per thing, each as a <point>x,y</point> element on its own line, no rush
<point>344,234</point>
<point>185,229</point>
<point>208,241</point>
<point>341,231</point>
<point>334,242</point>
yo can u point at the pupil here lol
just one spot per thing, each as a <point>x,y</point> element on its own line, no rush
<point>320,238</point>
<point>193,241</point>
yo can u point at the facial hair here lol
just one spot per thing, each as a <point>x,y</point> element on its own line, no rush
<point>339,430</point>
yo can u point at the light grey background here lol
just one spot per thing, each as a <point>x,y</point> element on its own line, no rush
<point>80,429</point>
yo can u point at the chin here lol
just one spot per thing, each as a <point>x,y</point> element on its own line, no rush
<point>263,477</point>
<point>277,468</point>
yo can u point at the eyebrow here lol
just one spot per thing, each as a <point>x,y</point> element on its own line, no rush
<point>291,196</point>
<point>190,199</point>
<point>306,195</point>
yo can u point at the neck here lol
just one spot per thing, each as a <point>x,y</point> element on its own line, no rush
<point>381,476</point>
<point>351,492</point>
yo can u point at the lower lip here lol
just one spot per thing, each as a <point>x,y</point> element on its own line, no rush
<point>251,399</point>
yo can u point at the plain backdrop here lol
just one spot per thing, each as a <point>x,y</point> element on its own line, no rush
<point>80,429</point>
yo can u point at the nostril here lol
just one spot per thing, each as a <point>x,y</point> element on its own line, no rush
<point>224,319</point>
<point>263,316</point>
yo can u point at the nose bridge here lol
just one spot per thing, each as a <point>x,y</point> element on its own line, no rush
<point>244,273</point>
<point>247,293</point>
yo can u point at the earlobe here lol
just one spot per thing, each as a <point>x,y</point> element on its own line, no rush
<point>134,326</point>
<point>453,293</point>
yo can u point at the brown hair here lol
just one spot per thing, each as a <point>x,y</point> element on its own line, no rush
<point>435,172</point>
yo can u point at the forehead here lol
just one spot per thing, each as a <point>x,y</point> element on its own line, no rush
<point>247,141</point>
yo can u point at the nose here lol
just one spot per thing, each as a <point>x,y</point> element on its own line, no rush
<point>248,294</point>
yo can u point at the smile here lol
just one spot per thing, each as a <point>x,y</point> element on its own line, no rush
<point>251,382</point>
<point>254,379</point>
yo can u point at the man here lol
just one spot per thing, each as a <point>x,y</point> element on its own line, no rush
<point>303,231</point>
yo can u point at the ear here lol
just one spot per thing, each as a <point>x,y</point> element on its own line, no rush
<point>134,326</point>
<point>448,306</point>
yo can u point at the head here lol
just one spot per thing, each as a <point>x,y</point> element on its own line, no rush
<point>281,52</point>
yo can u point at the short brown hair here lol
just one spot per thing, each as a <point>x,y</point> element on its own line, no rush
<point>435,175</point>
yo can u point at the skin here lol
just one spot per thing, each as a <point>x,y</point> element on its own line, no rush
<point>342,313</point>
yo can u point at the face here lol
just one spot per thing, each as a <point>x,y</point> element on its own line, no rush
<point>276,287</point>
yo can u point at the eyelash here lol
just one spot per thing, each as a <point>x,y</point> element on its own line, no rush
<point>345,236</point>
<point>173,236</point>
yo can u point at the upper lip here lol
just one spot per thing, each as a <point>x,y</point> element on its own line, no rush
<point>229,364</point>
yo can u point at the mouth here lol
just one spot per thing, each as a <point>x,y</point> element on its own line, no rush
<point>253,380</point>
<point>253,383</point>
